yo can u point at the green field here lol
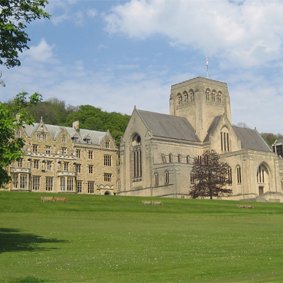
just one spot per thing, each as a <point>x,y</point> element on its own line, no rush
<point>118,239</point>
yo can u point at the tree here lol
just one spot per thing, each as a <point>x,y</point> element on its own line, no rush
<point>13,116</point>
<point>210,176</point>
<point>14,17</point>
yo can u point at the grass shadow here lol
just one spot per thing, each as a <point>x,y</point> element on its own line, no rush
<point>12,240</point>
<point>28,279</point>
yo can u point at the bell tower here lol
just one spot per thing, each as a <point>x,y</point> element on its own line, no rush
<point>200,100</point>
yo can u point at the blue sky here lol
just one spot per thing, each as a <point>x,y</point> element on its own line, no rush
<point>117,54</point>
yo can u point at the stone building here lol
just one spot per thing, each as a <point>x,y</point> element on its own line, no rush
<point>157,150</point>
<point>65,159</point>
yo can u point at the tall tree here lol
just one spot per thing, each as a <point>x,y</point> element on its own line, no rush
<point>210,176</point>
<point>14,17</point>
<point>13,116</point>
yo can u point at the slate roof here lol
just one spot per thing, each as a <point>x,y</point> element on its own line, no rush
<point>94,137</point>
<point>251,139</point>
<point>168,126</point>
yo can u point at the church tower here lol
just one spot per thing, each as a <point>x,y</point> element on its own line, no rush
<point>200,100</point>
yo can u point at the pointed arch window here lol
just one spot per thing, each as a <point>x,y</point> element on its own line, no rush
<point>179,98</point>
<point>239,174</point>
<point>225,140</point>
<point>136,158</point>
<point>170,157</point>
<point>156,179</point>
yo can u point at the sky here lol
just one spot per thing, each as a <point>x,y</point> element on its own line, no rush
<point>119,54</point>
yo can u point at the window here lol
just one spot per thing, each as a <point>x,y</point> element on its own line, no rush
<point>170,158</point>
<point>179,98</point>
<point>48,149</point>
<point>15,180</point>
<point>192,95</point>
<point>62,184</point>
<point>136,158</point>
<point>107,160</point>
<point>167,177</point>
<point>78,168</point>
<point>23,181</point>
<point>78,153</point>
<point>79,186</point>
<point>90,154</point>
<point>156,179</point>
<point>229,175</point>
<point>90,187</point>
<point>64,151</point>
<point>239,175</point>
<point>261,174</point>
<point>188,159</point>
<point>107,177</point>
<point>36,164</point>
<point>192,178</point>
<point>63,138</point>
<point>35,148</point>
<point>179,158</point>
<point>41,136</point>
<point>224,140</point>
<point>20,162</point>
<point>107,144</point>
<point>185,97</point>
<point>35,183</point>
<point>49,183</point>
<point>66,166</point>
<point>49,164</point>
<point>70,183</point>
<point>90,169</point>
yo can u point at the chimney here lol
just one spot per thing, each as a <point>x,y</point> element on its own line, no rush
<point>76,125</point>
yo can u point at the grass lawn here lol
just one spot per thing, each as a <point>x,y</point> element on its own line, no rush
<point>118,239</point>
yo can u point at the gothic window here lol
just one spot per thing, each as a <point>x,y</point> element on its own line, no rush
<point>167,177</point>
<point>136,158</point>
<point>185,97</point>
<point>179,98</point>
<point>225,140</point>
<point>156,179</point>
<point>170,157</point>
<point>239,174</point>
<point>262,173</point>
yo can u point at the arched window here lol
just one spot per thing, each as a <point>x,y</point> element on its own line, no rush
<point>261,174</point>
<point>179,98</point>
<point>167,177</point>
<point>179,158</point>
<point>207,94</point>
<point>192,95</point>
<point>185,97</point>
<point>136,158</point>
<point>170,157</point>
<point>213,95</point>
<point>239,174</point>
<point>219,97</point>
<point>188,159</point>
<point>156,179</point>
<point>225,140</point>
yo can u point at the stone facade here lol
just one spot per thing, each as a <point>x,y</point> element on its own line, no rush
<point>157,150</point>
<point>65,159</point>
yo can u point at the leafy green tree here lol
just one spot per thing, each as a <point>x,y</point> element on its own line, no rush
<point>13,116</point>
<point>14,17</point>
<point>210,176</point>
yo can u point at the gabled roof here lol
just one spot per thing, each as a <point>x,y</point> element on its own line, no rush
<point>212,127</point>
<point>168,126</point>
<point>95,137</point>
<point>251,139</point>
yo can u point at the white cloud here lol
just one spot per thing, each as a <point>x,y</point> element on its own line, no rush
<point>247,33</point>
<point>43,52</point>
